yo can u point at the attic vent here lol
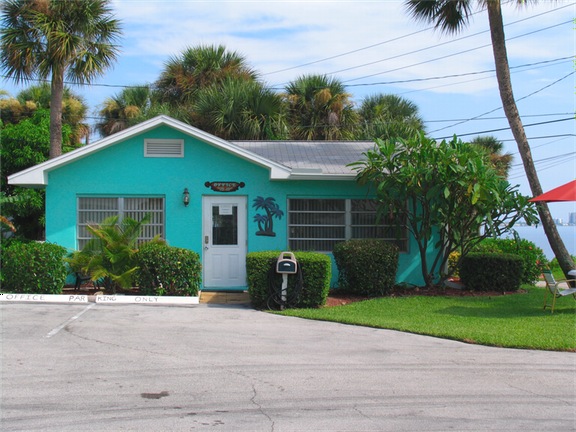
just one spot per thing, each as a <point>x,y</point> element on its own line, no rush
<point>164,148</point>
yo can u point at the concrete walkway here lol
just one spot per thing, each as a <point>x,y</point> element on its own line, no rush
<point>229,298</point>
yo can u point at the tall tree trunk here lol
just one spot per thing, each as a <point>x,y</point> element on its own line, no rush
<point>515,122</point>
<point>56,113</point>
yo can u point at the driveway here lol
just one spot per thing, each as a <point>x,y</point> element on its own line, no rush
<point>230,368</point>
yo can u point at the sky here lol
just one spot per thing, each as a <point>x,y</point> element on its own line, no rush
<point>376,47</point>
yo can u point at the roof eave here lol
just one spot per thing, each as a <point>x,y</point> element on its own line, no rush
<point>322,176</point>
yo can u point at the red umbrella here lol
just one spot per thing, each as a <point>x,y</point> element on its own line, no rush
<point>566,192</point>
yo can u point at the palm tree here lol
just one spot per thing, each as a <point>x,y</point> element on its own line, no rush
<point>451,16</point>
<point>240,110</point>
<point>320,109</point>
<point>54,40</point>
<point>501,162</point>
<point>124,109</point>
<point>387,116</point>
<point>197,68</point>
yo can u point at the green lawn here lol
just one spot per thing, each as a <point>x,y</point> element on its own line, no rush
<point>514,321</point>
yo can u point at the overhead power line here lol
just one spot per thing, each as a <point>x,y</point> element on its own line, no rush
<point>354,51</point>
<point>500,107</point>
<point>559,60</point>
<point>441,57</point>
<point>507,128</point>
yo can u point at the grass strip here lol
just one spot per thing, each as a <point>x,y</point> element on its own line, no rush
<point>512,321</point>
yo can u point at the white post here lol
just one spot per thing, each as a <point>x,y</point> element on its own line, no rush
<point>284,289</point>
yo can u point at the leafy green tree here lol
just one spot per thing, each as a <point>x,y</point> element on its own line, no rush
<point>449,194</point>
<point>54,39</point>
<point>388,116</point>
<point>320,109</point>
<point>4,221</point>
<point>23,145</point>
<point>12,110</point>
<point>451,16</point>
<point>74,109</point>
<point>198,68</point>
<point>240,110</point>
<point>25,104</point>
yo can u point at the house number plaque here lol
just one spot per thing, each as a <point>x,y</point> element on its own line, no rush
<point>221,186</point>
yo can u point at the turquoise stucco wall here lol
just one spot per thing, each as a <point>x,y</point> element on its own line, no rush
<point>122,170</point>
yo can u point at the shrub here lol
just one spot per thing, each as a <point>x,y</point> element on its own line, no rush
<point>36,268</point>
<point>453,259</point>
<point>533,258</point>
<point>491,271</point>
<point>314,269</point>
<point>166,270</point>
<point>366,266</point>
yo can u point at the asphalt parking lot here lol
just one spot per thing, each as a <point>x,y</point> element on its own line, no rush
<point>101,367</point>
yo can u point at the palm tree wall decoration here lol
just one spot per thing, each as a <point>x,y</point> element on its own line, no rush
<point>265,222</point>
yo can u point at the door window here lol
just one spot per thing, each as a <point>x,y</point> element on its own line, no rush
<point>224,224</point>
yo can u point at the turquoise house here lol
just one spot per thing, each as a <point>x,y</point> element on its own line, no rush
<point>218,198</point>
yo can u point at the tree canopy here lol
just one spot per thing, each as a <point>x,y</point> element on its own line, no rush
<point>448,192</point>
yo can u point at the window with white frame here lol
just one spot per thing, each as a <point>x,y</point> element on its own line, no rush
<point>93,210</point>
<point>318,224</point>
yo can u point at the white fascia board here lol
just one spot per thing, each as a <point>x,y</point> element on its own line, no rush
<point>348,177</point>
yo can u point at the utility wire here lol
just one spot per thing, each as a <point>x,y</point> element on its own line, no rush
<point>500,107</point>
<point>413,80</point>
<point>443,57</point>
<point>507,128</point>
<point>546,164</point>
<point>403,37</point>
<point>451,84</point>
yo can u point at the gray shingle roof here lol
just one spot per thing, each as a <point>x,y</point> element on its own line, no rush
<point>332,157</point>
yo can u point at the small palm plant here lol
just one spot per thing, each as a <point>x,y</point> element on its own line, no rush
<point>110,255</point>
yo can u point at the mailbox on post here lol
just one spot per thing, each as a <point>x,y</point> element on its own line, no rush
<point>286,263</point>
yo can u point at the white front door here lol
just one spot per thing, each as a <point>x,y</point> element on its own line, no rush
<point>224,228</point>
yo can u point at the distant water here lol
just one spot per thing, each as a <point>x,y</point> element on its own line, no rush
<point>537,236</point>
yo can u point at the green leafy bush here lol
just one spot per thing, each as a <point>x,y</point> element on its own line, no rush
<point>166,270</point>
<point>491,271</point>
<point>533,258</point>
<point>315,270</point>
<point>36,268</point>
<point>366,266</point>
<point>453,259</point>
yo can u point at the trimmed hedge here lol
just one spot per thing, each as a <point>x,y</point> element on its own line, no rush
<point>488,272</point>
<point>533,258</point>
<point>366,266</point>
<point>167,270</point>
<point>316,270</point>
<point>35,268</point>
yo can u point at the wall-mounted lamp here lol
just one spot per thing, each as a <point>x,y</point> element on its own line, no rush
<point>186,197</point>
